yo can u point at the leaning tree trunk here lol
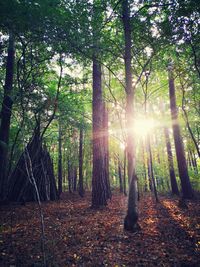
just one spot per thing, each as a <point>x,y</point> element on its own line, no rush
<point>130,221</point>
<point>173,182</point>
<point>6,112</point>
<point>180,154</point>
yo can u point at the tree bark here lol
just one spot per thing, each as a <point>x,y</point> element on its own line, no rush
<point>80,183</point>
<point>100,185</point>
<point>120,177</point>
<point>6,112</point>
<point>74,178</point>
<point>124,176</point>
<point>151,168</point>
<point>173,182</point>
<point>106,150</point>
<point>144,168</point>
<point>130,221</point>
<point>60,175</point>
<point>69,175</point>
<point>180,154</point>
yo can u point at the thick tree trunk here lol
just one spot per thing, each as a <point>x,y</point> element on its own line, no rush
<point>100,183</point>
<point>6,112</point>
<point>180,154</point>
<point>60,176</point>
<point>174,185</point>
<point>80,183</point>
<point>130,221</point>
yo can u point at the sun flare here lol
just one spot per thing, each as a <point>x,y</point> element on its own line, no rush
<point>143,126</point>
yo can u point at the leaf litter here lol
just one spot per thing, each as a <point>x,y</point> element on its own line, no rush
<point>76,235</point>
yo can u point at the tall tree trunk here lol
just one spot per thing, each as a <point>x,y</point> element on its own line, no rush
<point>6,112</point>
<point>100,190</point>
<point>130,221</point>
<point>180,154</point>
<point>174,185</point>
<point>80,183</point>
<point>60,176</point>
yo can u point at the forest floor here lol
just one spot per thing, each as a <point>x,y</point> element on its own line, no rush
<point>76,235</point>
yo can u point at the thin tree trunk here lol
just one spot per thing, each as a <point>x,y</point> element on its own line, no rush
<point>151,168</point>
<point>120,177</point>
<point>60,176</point>
<point>124,176</point>
<point>69,176</point>
<point>74,178</point>
<point>81,189</point>
<point>130,221</point>
<point>193,161</point>
<point>6,112</point>
<point>174,185</point>
<point>106,150</point>
<point>144,168</point>
<point>180,154</point>
<point>187,122</point>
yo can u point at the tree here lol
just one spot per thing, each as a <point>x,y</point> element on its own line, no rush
<point>80,182</point>
<point>130,221</point>
<point>6,112</point>
<point>100,180</point>
<point>174,185</point>
<point>60,175</point>
<point>180,154</point>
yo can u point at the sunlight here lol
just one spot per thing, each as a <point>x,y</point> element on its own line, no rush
<point>144,126</point>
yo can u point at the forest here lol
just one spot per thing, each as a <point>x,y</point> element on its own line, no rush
<point>99,133</point>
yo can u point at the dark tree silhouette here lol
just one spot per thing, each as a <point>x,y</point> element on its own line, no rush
<point>6,112</point>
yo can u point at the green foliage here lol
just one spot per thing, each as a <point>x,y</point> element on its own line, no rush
<point>55,34</point>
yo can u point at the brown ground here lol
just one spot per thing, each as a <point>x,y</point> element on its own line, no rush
<point>76,235</point>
